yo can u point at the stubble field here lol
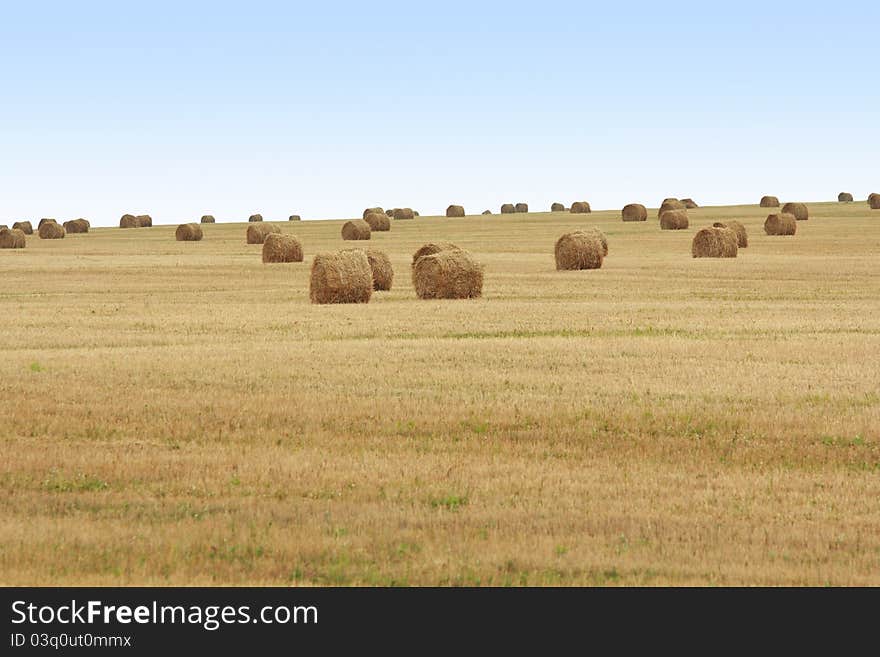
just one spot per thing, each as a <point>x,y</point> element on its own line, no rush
<point>179,413</point>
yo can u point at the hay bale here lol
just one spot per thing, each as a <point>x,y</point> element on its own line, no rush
<point>51,231</point>
<point>207,219</point>
<point>487,212</point>
<point>874,201</point>
<point>431,248</point>
<point>281,248</point>
<point>77,226</point>
<point>689,203</point>
<point>780,224</point>
<point>508,208</point>
<point>188,233</point>
<point>370,210</point>
<point>255,218</point>
<point>557,207</point>
<point>668,205</point>
<point>581,249</point>
<point>145,221</point>
<point>257,234</point>
<point>714,242</point>
<point>799,210</point>
<point>390,212</point>
<point>674,220</point>
<point>521,207</point>
<point>4,227</point>
<point>634,212</point>
<point>378,221</point>
<point>12,239</point>
<point>671,199</point>
<point>416,213</point>
<point>580,207</point>
<point>294,217</point>
<point>24,226</point>
<point>380,265</point>
<point>844,197</point>
<point>455,211</point>
<point>742,237</point>
<point>769,202</point>
<point>128,221</point>
<point>403,213</point>
<point>450,274</point>
<point>45,220</point>
<point>343,277</point>
<point>356,229</point>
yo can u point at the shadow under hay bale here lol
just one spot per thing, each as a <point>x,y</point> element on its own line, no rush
<point>343,277</point>
<point>12,239</point>
<point>634,212</point>
<point>674,220</point>
<point>714,243</point>
<point>188,233</point>
<point>281,248</point>
<point>799,210</point>
<point>455,211</point>
<point>780,224</point>
<point>24,226</point>
<point>742,237</point>
<point>378,221</point>
<point>256,234</point>
<point>451,274</point>
<point>580,207</point>
<point>51,231</point>
<point>356,229</point>
<point>769,202</point>
<point>581,249</point>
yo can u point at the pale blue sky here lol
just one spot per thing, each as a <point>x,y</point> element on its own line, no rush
<point>184,108</point>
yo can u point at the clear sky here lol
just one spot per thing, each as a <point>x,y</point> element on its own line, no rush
<point>323,108</point>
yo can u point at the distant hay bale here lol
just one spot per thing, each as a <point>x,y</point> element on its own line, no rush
<point>674,220</point>
<point>455,211</point>
<point>188,233</point>
<point>128,221</point>
<point>356,229</point>
<point>508,208</point>
<point>580,207</point>
<point>45,220</point>
<point>77,226</point>
<point>403,213</point>
<point>51,231</point>
<point>689,203</point>
<point>671,199</point>
<point>714,242</point>
<point>144,221</point>
<point>343,277</point>
<point>450,274</point>
<point>521,207</point>
<point>207,219</point>
<point>294,217</point>
<point>282,248</point>
<point>742,237</point>
<point>431,248</point>
<point>390,212</point>
<point>255,218</point>
<point>844,197</point>
<point>769,202</point>
<point>257,234</point>
<point>799,210</point>
<point>487,212</point>
<point>416,213</point>
<point>557,207</point>
<point>668,205</point>
<point>380,265</point>
<point>370,210</point>
<point>635,212</point>
<point>378,221</point>
<point>24,226</point>
<point>780,224</point>
<point>581,249</point>
<point>12,239</point>
<point>874,201</point>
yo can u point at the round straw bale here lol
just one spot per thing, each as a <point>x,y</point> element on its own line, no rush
<point>255,217</point>
<point>451,274</point>
<point>455,211</point>
<point>403,213</point>
<point>390,212</point>
<point>769,202</point>
<point>671,199</point>
<point>45,220</point>
<point>635,212</point>
<point>282,248</point>
<point>294,217</point>
<point>874,201</point>
<point>799,210</point>
<point>689,203</point>
<point>844,197</point>
<point>369,210</point>
<point>416,213</point>
<point>342,277</point>
<point>128,221</point>
<point>674,220</point>
<point>487,212</point>
<point>522,207</point>
<point>508,208</point>
<point>145,221</point>
<point>580,207</point>
<point>12,239</point>
<point>257,234</point>
<point>24,226</point>
<point>670,205</point>
<point>600,235</point>
<point>742,237</point>
<point>380,265</point>
<point>431,248</point>
<point>51,231</point>
<point>557,207</point>
<point>378,221</point>
<point>780,224</point>
<point>188,233</point>
<point>356,229</point>
<point>714,243</point>
<point>581,249</point>
<point>77,226</point>
<point>208,219</point>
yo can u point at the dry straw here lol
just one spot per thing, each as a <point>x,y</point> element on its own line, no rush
<point>378,221</point>
<point>674,220</point>
<point>455,211</point>
<point>188,233</point>
<point>207,219</point>
<point>12,239</point>
<point>874,201</point>
<point>255,218</point>
<point>51,231</point>
<point>780,224</point>
<point>844,197</point>
<point>522,207</point>
<point>371,210</point>
<point>256,234</point>
<point>144,221</point>
<point>77,226</point>
<point>404,213</point>
<point>670,204</point>
<point>450,274</point>
<point>742,237</point>
<point>557,207</point>
<point>714,243</point>
<point>508,208</point>
<point>487,212</point>
<point>128,221</point>
<point>24,226</point>
<point>769,202</point>
<point>282,248</point>
<point>45,220</point>
<point>634,212</point>
<point>294,217</point>
<point>356,229</point>
<point>343,277</point>
<point>580,207</point>
<point>689,203</point>
<point>431,248</point>
<point>581,249</point>
<point>799,210</point>
<point>380,265</point>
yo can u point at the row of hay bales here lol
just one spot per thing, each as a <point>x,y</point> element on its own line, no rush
<point>873,199</point>
<point>510,208</point>
<point>136,221</point>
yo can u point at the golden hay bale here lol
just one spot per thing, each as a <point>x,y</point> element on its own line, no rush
<point>671,199</point>
<point>208,219</point>
<point>77,226</point>
<point>874,201</point>
<point>742,237</point>
<point>431,248</point>
<point>128,221</point>
<point>12,239</point>
<point>343,277</point>
<point>451,274</point>
<point>635,212</point>
<point>600,235</point>
<point>369,210</point>
<point>294,217</point>
<point>145,221</point>
<point>521,207</point>
<point>380,265</point>
<point>557,207</point>
<point>24,226</point>
<point>188,233</point>
<point>45,220</point>
<point>674,220</point>
<point>799,210</point>
<point>378,221</point>
<point>579,250</point>
<point>714,243</point>
<point>780,224</point>
<point>487,212</point>
<point>769,202</point>
<point>689,203</point>
<point>455,211</point>
<point>844,197</point>
<point>580,207</point>
<point>255,217</point>
<point>403,213</point>
<point>356,229</point>
<point>257,234</point>
<point>282,248</point>
<point>51,231</point>
<point>390,212</point>
<point>666,206</point>
<point>508,208</point>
